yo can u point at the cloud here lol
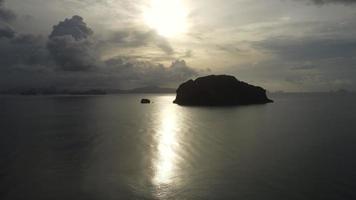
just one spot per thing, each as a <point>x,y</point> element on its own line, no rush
<point>70,45</point>
<point>308,62</point>
<point>24,61</point>
<point>322,2</point>
<point>74,48</point>
<point>16,49</point>
<point>75,27</point>
<point>23,50</point>
<point>148,73</point>
<point>309,48</point>
<point>6,15</point>
<point>70,57</point>
<point>133,38</point>
<point>6,31</point>
<point>179,70</point>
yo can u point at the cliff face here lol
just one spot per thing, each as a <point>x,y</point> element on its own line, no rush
<point>219,90</point>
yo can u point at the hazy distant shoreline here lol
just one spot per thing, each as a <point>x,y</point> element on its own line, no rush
<point>55,91</point>
<point>103,93</point>
<point>52,91</point>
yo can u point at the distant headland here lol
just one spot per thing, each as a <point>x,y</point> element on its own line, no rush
<point>219,90</point>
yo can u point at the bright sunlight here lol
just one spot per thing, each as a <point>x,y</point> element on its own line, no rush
<point>167,141</point>
<point>167,17</point>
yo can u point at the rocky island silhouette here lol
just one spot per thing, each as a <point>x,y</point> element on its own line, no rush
<point>219,90</point>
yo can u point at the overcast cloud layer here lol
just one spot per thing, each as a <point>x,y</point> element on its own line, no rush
<point>333,1</point>
<point>296,45</point>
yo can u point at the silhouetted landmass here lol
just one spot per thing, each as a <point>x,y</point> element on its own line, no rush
<point>145,101</point>
<point>219,90</point>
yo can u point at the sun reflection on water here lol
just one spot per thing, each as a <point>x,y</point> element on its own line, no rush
<point>165,161</point>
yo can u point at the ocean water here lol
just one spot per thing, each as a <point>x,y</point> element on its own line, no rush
<point>112,147</point>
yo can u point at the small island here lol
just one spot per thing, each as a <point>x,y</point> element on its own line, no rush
<point>145,101</point>
<point>219,90</point>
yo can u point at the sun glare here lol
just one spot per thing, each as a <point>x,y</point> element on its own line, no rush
<point>167,144</point>
<point>167,17</point>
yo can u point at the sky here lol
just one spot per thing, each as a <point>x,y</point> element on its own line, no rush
<point>281,45</point>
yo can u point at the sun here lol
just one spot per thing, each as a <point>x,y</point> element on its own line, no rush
<point>167,17</point>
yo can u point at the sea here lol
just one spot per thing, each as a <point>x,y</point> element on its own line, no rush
<point>112,147</point>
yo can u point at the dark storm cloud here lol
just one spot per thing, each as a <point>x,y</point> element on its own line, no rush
<point>74,27</point>
<point>6,31</point>
<point>6,14</point>
<point>71,46</point>
<point>70,57</point>
<point>23,61</point>
<point>23,50</point>
<point>17,49</point>
<point>74,49</point>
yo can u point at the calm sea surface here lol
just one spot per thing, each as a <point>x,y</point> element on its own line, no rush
<point>112,147</point>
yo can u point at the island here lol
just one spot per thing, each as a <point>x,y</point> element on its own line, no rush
<point>145,101</point>
<point>219,90</point>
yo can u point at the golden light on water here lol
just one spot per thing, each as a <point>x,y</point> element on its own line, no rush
<point>166,159</point>
<point>167,17</point>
